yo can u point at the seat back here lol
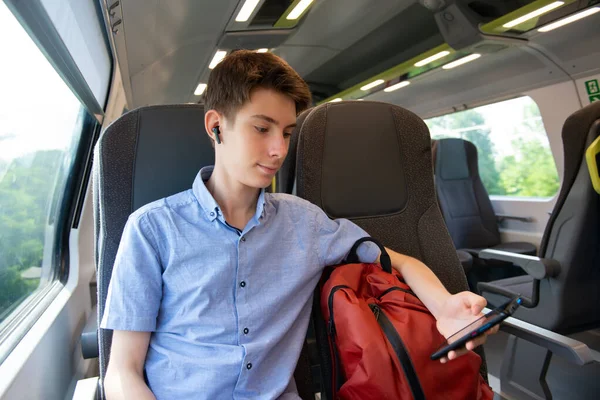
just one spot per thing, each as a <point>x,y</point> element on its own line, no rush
<point>370,162</point>
<point>286,176</point>
<point>464,202</point>
<point>571,301</point>
<point>146,154</point>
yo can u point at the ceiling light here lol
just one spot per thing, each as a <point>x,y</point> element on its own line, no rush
<point>570,19</point>
<point>533,14</point>
<point>247,10</point>
<point>299,9</point>
<point>434,57</point>
<point>200,89</point>
<point>372,84</point>
<point>396,86</point>
<point>336,100</point>
<point>462,61</point>
<point>262,50</point>
<point>219,56</point>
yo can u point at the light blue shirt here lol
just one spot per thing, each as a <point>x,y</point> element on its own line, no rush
<point>228,310</point>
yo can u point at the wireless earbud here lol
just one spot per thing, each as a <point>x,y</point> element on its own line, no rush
<point>216,131</point>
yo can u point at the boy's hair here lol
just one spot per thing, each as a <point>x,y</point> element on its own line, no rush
<point>232,80</point>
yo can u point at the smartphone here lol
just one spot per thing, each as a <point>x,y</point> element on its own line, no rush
<point>477,328</point>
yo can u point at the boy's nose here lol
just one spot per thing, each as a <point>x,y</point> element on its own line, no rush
<point>279,147</point>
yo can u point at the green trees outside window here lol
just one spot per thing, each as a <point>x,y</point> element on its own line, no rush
<point>514,155</point>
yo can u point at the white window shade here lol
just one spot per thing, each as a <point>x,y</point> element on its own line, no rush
<point>80,28</point>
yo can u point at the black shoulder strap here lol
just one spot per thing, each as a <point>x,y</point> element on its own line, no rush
<point>384,258</point>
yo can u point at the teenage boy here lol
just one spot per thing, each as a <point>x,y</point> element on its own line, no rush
<point>211,290</point>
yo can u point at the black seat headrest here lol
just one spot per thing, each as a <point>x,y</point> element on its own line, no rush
<point>455,159</point>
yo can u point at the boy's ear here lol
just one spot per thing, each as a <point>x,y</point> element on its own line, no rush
<point>212,120</point>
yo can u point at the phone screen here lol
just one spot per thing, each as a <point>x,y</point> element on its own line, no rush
<point>475,328</point>
<point>471,327</point>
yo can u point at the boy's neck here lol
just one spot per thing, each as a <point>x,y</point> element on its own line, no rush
<point>236,201</point>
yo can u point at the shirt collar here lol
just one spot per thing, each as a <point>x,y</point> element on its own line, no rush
<point>207,201</point>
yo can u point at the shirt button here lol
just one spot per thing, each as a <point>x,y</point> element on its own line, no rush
<point>249,365</point>
<point>243,239</point>
<point>212,214</point>
<point>243,283</point>
<point>246,330</point>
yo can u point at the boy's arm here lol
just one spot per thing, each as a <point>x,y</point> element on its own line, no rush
<point>131,309</point>
<point>421,280</point>
<point>125,374</point>
<point>452,312</point>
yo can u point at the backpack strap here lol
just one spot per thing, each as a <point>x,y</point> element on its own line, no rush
<point>384,258</point>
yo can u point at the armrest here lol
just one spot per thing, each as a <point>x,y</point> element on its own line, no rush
<point>502,217</point>
<point>86,389</point>
<point>570,349</point>
<point>539,268</point>
<point>89,336</point>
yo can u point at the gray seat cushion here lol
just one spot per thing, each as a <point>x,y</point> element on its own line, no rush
<point>464,201</point>
<point>466,260</point>
<point>521,285</point>
<point>570,301</point>
<point>146,154</point>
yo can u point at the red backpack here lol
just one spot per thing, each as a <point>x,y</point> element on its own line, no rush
<point>381,338</point>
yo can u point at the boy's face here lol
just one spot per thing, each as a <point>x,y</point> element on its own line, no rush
<point>254,145</point>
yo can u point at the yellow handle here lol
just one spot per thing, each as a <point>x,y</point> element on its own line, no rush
<point>590,157</point>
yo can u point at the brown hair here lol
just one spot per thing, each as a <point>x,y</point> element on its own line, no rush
<point>232,80</point>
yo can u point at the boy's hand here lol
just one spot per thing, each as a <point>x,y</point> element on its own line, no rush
<point>457,312</point>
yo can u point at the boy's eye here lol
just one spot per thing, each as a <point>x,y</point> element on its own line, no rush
<point>261,129</point>
<point>287,134</point>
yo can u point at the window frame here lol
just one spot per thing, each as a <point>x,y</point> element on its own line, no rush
<point>22,318</point>
<point>508,197</point>
<point>36,23</point>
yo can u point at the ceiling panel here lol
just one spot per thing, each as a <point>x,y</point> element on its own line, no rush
<point>576,47</point>
<point>166,46</point>
<point>139,28</point>
<point>173,78</point>
<point>168,43</point>
<point>507,72</point>
<point>334,25</point>
<point>379,47</point>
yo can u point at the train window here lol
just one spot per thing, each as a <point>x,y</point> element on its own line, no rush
<point>43,129</point>
<point>512,145</point>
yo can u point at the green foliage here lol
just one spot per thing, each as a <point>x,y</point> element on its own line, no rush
<point>529,172</point>
<point>26,191</point>
<point>532,173</point>
<point>13,289</point>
